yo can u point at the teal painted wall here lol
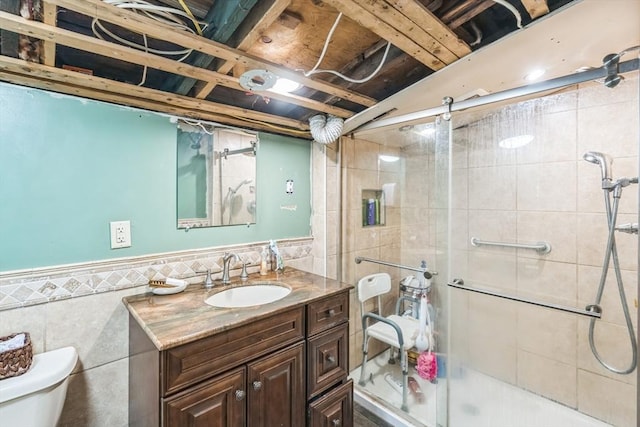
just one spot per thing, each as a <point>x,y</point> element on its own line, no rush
<point>69,166</point>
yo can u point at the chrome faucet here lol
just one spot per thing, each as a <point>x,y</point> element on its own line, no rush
<point>226,260</point>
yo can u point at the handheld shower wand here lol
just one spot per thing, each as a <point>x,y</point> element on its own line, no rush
<point>605,162</point>
<point>612,193</point>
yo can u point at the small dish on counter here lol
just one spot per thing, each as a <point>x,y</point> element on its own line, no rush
<point>170,286</point>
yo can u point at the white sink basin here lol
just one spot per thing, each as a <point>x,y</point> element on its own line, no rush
<point>246,296</point>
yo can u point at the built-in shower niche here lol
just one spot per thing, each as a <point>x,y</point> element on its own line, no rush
<point>373,208</point>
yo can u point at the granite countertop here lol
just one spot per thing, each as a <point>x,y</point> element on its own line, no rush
<point>173,320</point>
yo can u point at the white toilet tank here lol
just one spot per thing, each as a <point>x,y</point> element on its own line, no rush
<point>35,399</point>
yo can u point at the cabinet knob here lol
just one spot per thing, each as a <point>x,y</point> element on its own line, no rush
<point>332,312</point>
<point>331,359</point>
<point>336,422</point>
<point>257,385</point>
<point>239,394</point>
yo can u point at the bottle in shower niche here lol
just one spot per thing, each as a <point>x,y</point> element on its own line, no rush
<point>371,212</point>
<point>264,257</point>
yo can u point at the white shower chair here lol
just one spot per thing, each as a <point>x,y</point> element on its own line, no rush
<point>395,330</point>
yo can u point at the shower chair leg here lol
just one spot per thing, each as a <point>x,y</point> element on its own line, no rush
<point>365,350</point>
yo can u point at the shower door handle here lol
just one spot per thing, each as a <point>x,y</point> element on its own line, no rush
<point>592,310</point>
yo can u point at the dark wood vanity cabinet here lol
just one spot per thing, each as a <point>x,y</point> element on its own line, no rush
<point>288,369</point>
<point>330,394</point>
<point>265,392</point>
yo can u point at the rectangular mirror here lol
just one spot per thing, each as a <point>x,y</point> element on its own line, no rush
<point>216,173</point>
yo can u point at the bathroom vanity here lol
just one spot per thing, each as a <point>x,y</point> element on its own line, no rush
<point>279,364</point>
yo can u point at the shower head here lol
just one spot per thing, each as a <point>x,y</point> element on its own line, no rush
<point>600,159</point>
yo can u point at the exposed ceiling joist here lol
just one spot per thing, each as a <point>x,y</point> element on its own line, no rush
<point>49,12</point>
<point>144,25</point>
<point>78,41</point>
<point>376,25</point>
<point>69,82</point>
<point>536,8</point>
<point>420,15</point>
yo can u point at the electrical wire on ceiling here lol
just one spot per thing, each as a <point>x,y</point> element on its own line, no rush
<point>315,70</point>
<point>173,17</point>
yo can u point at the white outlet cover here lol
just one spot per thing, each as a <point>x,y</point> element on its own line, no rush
<point>120,234</point>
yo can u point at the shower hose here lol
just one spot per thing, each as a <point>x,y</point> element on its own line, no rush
<point>611,252</point>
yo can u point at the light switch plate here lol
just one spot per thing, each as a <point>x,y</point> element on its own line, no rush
<point>120,234</point>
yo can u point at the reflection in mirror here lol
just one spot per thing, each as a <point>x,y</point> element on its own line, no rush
<point>216,172</point>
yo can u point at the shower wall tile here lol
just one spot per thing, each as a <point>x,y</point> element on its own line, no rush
<point>548,280</point>
<point>592,241</point>
<point>607,399</point>
<point>596,94</point>
<point>460,223</point>
<point>492,188</point>
<point>613,345</point>
<point>460,190</point>
<point>589,279</point>
<point>547,187</point>
<point>366,155</point>
<point>494,270</point>
<point>497,226</point>
<point>548,377</point>
<point>559,229</point>
<point>551,143</point>
<point>607,129</point>
<point>548,333</point>
<point>484,150</point>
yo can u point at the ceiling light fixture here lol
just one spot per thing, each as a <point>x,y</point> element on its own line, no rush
<point>534,75</point>
<point>285,86</point>
<point>257,80</point>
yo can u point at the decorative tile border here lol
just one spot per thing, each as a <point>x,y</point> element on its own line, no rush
<point>42,285</point>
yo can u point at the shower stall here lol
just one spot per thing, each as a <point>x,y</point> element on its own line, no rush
<point>534,294</point>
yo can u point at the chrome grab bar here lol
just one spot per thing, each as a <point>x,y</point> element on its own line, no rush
<point>359,259</point>
<point>541,247</point>
<point>592,310</point>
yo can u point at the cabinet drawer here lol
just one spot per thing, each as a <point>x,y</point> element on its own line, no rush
<point>328,312</point>
<point>328,358</point>
<point>196,361</point>
<point>334,408</point>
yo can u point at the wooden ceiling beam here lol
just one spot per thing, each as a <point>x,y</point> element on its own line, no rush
<point>367,19</point>
<point>422,16</point>
<point>536,8</point>
<point>154,29</point>
<point>60,80</point>
<point>410,29</point>
<point>252,31</point>
<point>100,47</point>
<point>49,12</point>
<point>467,15</point>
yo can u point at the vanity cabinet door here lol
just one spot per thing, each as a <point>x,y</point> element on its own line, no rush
<point>327,355</point>
<point>275,389</point>
<point>334,409</point>
<point>219,402</point>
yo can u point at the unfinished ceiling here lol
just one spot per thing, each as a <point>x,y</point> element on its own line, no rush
<point>191,63</point>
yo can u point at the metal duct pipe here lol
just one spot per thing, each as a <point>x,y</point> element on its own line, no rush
<point>325,129</point>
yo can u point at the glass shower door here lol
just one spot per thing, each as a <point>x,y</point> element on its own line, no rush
<point>518,181</point>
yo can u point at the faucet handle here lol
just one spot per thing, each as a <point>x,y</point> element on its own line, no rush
<point>244,275</point>
<point>208,282</point>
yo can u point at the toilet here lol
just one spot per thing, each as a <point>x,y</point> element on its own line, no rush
<point>36,398</point>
